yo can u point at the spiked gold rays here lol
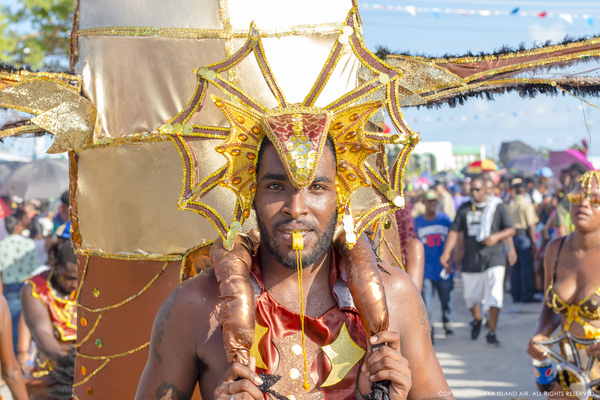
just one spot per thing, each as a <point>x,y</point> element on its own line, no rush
<point>298,132</point>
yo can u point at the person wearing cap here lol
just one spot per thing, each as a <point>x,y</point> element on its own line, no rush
<point>485,223</point>
<point>446,201</point>
<point>524,217</point>
<point>432,229</point>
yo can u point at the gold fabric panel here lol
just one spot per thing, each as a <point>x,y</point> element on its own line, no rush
<point>127,199</point>
<point>296,79</point>
<point>275,13</point>
<point>138,83</point>
<point>209,13</point>
<point>136,91</point>
<point>180,13</point>
<point>132,103</point>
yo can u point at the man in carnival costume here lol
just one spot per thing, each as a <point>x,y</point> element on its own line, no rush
<point>300,305</point>
<point>186,342</point>
<point>185,348</point>
<point>50,312</point>
<point>139,64</point>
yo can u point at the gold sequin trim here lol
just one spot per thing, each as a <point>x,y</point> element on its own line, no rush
<point>71,82</point>
<point>400,265</point>
<point>39,374</point>
<point>182,269</point>
<point>127,300</point>
<point>91,332</point>
<point>192,33</point>
<point>125,353</point>
<point>536,63</point>
<point>85,267</point>
<point>137,138</point>
<point>90,376</point>
<point>130,257</point>
<point>19,129</point>
<point>187,174</point>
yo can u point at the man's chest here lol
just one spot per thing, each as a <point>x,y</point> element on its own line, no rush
<point>473,220</point>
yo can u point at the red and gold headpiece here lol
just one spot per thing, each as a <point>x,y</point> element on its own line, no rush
<point>299,132</point>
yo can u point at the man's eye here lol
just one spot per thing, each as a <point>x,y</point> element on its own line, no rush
<point>275,186</point>
<point>316,186</point>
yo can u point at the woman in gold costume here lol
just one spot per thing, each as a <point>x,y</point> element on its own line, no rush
<point>572,287</point>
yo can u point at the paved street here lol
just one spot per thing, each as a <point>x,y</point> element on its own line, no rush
<point>473,368</point>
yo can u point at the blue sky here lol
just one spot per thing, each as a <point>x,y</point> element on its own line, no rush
<point>554,122</point>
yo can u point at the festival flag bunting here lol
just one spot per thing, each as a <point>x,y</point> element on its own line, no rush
<point>413,10</point>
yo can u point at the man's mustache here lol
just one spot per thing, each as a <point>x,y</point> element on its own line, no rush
<point>296,223</point>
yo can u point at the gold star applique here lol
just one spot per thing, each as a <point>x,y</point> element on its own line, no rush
<point>291,367</point>
<point>259,332</point>
<point>343,354</point>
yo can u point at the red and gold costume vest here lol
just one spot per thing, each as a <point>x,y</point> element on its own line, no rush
<point>335,342</point>
<point>63,314</point>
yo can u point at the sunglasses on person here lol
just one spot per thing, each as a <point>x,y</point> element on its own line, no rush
<point>576,197</point>
<point>476,189</point>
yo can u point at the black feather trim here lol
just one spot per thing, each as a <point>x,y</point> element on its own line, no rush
<point>384,51</point>
<point>525,91</point>
<point>4,66</point>
<point>63,374</point>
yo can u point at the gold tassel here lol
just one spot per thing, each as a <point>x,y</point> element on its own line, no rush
<point>298,245</point>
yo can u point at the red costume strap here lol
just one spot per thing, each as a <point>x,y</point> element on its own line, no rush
<point>336,342</point>
<point>63,312</point>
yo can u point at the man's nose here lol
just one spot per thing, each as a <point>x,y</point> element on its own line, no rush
<point>295,205</point>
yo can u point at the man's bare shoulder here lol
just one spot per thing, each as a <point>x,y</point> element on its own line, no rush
<point>199,294</point>
<point>187,317</point>
<point>405,305</point>
<point>397,282</point>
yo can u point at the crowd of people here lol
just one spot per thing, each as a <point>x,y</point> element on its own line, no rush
<point>38,315</point>
<point>494,232</point>
<point>497,235</point>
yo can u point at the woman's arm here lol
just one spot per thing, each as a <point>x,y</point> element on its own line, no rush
<point>548,320</point>
<point>8,363</point>
<point>24,346</point>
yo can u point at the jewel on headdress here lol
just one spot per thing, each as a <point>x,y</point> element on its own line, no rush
<point>298,134</point>
<point>234,229</point>
<point>348,223</point>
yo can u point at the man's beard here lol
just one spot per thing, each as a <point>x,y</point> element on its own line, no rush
<point>308,258</point>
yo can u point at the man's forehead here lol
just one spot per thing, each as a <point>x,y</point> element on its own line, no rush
<point>71,266</point>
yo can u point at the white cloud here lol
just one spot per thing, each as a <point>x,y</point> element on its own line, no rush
<point>540,34</point>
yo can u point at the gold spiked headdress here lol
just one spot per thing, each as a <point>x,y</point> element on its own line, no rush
<point>298,133</point>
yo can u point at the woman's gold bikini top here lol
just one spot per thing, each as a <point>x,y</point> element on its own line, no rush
<point>589,307</point>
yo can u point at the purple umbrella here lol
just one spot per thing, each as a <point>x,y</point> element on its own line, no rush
<point>531,163</point>
<point>560,160</point>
